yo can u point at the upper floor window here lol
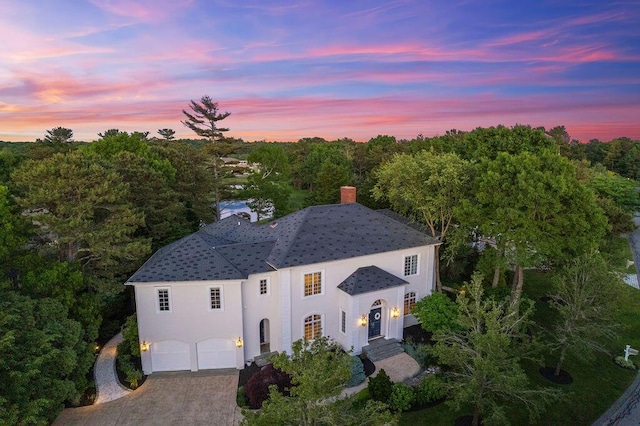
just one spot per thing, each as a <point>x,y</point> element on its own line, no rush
<point>409,302</point>
<point>215,297</point>
<point>343,321</point>
<point>312,283</point>
<point>163,300</point>
<point>411,265</point>
<point>312,327</point>
<point>264,286</point>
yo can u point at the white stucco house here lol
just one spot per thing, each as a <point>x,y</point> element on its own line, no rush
<point>235,290</point>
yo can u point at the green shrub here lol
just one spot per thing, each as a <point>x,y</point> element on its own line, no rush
<point>241,398</point>
<point>431,388</point>
<point>436,312</point>
<point>625,364</point>
<point>418,352</point>
<point>131,373</point>
<point>380,387</point>
<point>401,397</point>
<point>357,372</point>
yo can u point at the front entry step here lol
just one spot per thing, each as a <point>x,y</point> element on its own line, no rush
<point>263,359</point>
<point>380,349</point>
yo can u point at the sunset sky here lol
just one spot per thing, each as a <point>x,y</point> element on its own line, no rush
<point>287,70</point>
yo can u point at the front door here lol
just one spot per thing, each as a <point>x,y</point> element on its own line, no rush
<point>375,320</point>
<point>264,336</point>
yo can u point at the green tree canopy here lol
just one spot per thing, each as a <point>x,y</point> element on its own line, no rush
<point>483,357</point>
<point>79,203</point>
<point>59,135</point>
<point>428,187</point>
<point>319,369</point>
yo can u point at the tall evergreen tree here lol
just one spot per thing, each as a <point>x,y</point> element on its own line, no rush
<point>203,121</point>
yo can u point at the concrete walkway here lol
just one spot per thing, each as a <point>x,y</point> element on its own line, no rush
<point>399,368</point>
<point>104,371</point>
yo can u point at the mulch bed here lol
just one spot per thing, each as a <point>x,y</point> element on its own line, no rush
<point>246,373</point>
<point>465,421</point>
<point>563,378</point>
<point>369,366</point>
<point>417,334</point>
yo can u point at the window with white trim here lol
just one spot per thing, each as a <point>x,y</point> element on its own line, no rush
<point>215,297</point>
<point>409,302</point>
<point>343,321</point>
<point>312,283</point>
<point>264,286</point>
<point>410,265</point>
<point>312,327</point>
<point>163,300</point>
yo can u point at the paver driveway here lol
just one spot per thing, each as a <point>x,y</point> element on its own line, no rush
<point>179,398</point>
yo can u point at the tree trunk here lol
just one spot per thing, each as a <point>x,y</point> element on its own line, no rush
<point>563,352</point>
<point>496,271</point>
<point>216,186</point>
<point>476,416</point>
<point>516,290</point>
<point>436,266</point>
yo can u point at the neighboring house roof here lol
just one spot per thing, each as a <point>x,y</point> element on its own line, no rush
<point>234,248</point>
<point>369,278</point>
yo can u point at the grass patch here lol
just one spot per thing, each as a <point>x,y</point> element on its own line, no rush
<point>596,383</point>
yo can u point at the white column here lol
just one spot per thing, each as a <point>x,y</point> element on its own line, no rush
<point>285,309</point>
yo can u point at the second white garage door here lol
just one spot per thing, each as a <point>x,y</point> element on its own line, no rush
<point>216,353</point>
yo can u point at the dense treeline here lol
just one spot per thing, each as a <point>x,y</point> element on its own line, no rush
<point>78,219</point>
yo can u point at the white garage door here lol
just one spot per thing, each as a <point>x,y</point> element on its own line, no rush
<point>170,355</point>
<point>216,353</point>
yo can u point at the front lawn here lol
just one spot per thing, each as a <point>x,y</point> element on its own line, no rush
<point>596,383</point>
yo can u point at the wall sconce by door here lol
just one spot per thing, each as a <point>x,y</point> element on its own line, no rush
<point>363,320</point>
<point>395,312</point>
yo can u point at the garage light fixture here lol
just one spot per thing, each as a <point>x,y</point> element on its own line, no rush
<point>239,342</point>
<point>144,346</point>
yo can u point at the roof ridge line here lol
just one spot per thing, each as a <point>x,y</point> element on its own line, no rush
<point>285,254</point>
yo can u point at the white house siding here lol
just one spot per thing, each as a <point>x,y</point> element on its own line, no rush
<point>328,303</point>
<point>257,307</point>
<point>190,321</point>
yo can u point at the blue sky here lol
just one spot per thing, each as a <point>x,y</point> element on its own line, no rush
<point>334,69</point>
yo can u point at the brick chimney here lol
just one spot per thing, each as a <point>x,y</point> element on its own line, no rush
<point>347,194</point>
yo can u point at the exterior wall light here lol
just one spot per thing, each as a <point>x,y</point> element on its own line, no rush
<point>144,346</point>
<point>395,312</point>
<point>363,320</point>
<point>239,342</point>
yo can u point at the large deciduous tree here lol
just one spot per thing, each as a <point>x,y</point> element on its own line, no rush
<point>483,357</point>
<point>268,187</point>
<point>203,121</point>
<point>584,297</point>
<point>428,187</point>
<point>535,210</point>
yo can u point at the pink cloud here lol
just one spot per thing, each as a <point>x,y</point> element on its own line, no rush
<point>143,10</point>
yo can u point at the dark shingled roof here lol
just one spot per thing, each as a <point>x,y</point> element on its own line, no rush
<point>369,278</point>
<point>234,248</point>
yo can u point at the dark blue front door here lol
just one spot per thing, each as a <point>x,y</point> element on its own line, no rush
<point>375,319</point>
